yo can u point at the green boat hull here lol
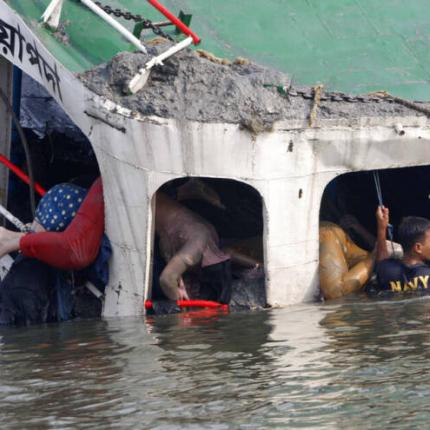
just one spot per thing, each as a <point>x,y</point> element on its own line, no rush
<point>353,46</point>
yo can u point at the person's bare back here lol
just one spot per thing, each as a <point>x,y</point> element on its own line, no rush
<point>186,241</point>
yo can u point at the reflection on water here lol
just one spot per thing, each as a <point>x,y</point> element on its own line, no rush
<point>348,365</point>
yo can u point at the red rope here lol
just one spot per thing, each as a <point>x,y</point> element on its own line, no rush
<point>169,15</point>
<point>192,304</point>
<point>18,172</point>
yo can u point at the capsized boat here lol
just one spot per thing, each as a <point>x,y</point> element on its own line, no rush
<point>199,115</point>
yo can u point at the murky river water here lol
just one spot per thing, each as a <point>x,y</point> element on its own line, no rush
<point>347,366</point>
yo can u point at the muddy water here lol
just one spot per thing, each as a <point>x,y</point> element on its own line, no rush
<point>347,366</point>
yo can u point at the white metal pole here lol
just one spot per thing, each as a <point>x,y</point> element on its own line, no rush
<point>6,84</point>
<point>140,79</point>
<point>127,34</point>
<point>93,289</point>
<point>52,14</point>
<point>14,220</point>
<point>5,264</point>
<point>158,60</point>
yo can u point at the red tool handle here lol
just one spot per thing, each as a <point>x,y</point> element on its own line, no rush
<point>18,172</point>
<point>169,15</point>
<point>192,304</point>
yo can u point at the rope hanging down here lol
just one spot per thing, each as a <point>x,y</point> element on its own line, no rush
<point>381,203</point>
<point>317,90</point>
<point>24,142</point>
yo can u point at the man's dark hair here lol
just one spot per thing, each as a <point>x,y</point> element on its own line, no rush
<point>411,230</point>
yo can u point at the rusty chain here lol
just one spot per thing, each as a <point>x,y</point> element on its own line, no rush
<point>131,17</point>
<point>339,97</point>
<point>377,97</point>
<point>308,95</point>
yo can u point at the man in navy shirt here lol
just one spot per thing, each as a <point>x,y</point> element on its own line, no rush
<point>412,272</point>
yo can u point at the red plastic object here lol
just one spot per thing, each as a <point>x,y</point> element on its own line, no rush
<point>169,15</point>
<point>18,172</point>
<point>192,304</point>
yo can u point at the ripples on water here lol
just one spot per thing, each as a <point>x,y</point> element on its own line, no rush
<point>346,366</point>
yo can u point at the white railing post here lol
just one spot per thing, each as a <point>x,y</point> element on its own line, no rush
<point>53,12</point>
<point>138,82</point>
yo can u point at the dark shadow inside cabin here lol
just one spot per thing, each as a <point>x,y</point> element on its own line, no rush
<point>59,153</point>
<point>235,210</point>
<point>350,201</point>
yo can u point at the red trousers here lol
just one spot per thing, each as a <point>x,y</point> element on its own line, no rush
<point>78,245</point>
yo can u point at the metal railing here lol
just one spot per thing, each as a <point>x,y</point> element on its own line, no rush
<point>52,15</point>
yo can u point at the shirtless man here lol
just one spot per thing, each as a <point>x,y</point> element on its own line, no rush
<point>188,241</point>
<point>344,267</point>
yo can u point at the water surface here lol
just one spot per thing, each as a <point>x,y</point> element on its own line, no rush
<point>347,366</point>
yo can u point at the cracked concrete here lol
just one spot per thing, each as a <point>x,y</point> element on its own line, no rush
<point>194,87</point>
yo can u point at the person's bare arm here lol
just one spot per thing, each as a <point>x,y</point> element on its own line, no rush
<point>171,278</point>
<point>382,219</point>
<point>9,241</point>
